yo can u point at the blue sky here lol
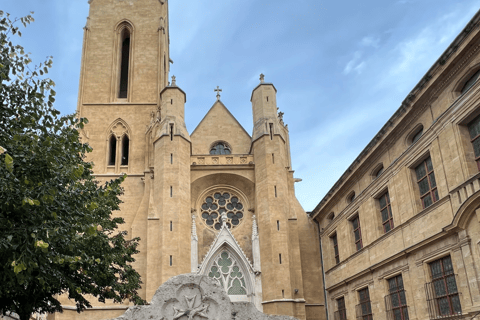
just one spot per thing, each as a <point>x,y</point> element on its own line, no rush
<point>341,68</point>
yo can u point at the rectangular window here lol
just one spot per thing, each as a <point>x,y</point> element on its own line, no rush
<point>426,183</point>
<point>171,260</point>
<point>171,226</point>
<point>364,309</point>
<point>278,225</point>
<point>444,287</point>
<point>280,258</point>
<point>396,301</point>
<point>386,211</point>
<point>335,248</point>
<point>341,313</point>
<point>474,129</point>
<point>357,232</point>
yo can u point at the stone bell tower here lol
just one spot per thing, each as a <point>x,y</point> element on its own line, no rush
<point>286,235</point>
<point>135,119</point>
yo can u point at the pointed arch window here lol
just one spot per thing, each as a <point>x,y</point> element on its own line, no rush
<point>220,148</point>
<point>228,273</point>
<point>112,154</point>
<point>125,147</point>
<point>124,63</point>
<point>118,145</point>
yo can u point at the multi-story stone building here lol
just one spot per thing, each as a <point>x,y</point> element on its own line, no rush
<point>217,200</point>
<point>400,230</point>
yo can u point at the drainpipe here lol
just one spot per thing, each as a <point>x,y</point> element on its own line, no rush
<point>323,270</point>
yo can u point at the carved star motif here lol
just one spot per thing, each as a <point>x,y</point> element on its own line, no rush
<point>190,312</point>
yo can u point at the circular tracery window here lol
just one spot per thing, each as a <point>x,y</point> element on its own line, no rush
<point>216,204</point>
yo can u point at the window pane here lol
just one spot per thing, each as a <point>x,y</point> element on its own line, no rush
<point>355,223</point>
<point>436,269</point>
<point>383,201</point>
<point>451,284</point>
<point>440,289</point>
<point>474,128</point>
<point>395,300</point>
<point>447,265</point>
<point>443,306</point>
<point>397,314</point>
<point>400,282</point>
<point>385,215</point>
<point>392,284</point>
<point>420,171</point>
<point>476,147</point>
<point>427,201</point>
<point>387,227</point>
<point>359,245</point>
<point>429,164</point>
<point>457,308</point>
<point>435,192</point>
<point>433,183</point>
<point>357,235</point>
<point>403,299</point>
<point>424,187</point>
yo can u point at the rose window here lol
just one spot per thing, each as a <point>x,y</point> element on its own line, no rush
<point>222,202</point>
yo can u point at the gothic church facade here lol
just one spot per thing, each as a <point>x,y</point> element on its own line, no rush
<point>216,201</point>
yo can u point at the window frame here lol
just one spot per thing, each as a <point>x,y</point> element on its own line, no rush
<point>402,307</point>
<point>387,206</point>
<point>336,250</point>
<point>359,229</point>
<point>367,302</point>
<point>442,278</point>
<point>341,309</point>
<point>473,139</point>
<point>432,191</point>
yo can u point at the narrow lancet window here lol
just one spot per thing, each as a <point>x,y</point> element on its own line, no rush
<point>124,63</point>
<point>125,145</point>
<point>113,150</point>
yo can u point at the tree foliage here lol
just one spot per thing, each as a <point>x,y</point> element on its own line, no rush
<point>57,233</point>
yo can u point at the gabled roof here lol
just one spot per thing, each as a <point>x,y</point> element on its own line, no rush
<point>220,103</point>
<point>225,237</point>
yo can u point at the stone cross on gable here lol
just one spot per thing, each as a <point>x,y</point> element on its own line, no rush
<point>218,90</point>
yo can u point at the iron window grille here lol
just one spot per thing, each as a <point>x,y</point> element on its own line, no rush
<point>357,232</point>
<point>341,313</point>
<point>335,249</point>
<point>474,130</point>
<point>442,293</point>
<point>396,300</point>
<point>426,183</point>
<point>386,212</point>
<point>364,309</point>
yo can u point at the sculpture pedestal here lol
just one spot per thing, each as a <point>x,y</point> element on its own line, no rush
<point>195,297</point>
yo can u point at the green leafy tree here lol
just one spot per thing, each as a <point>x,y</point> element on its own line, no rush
<point>57,233</point>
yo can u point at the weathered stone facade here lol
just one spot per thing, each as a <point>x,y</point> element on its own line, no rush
<point>180,183</point>
<point>422,168</point>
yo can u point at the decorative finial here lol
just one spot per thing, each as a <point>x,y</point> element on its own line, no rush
<point>218,90</point>
<point>262,78</point>
<point>224,218</point>
<point>174,84</point>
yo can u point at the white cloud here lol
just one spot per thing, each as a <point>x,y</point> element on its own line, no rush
<point>355,64</point>
<point>370,41</point>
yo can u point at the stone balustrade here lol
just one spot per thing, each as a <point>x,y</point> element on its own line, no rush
<point>223,159</point>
